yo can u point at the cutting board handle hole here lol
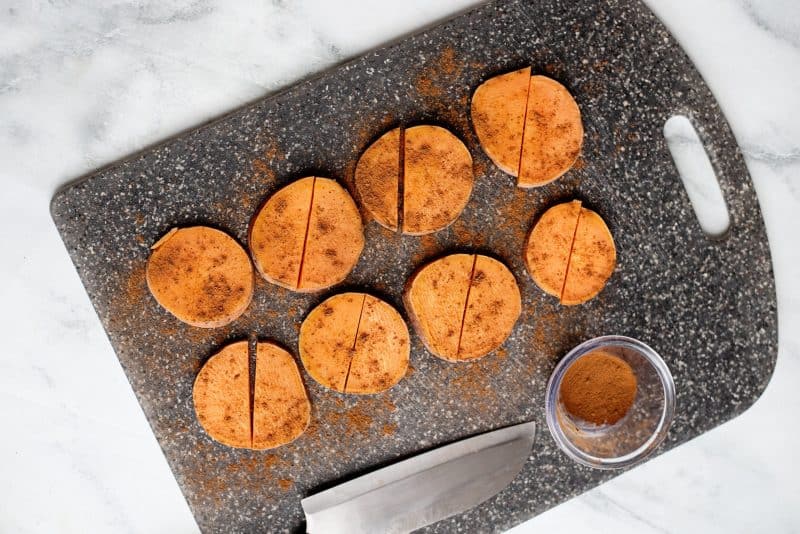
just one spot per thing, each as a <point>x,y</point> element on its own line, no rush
<point>698,176</point>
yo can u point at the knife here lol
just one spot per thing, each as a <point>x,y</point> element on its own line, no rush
<point>423,489</point>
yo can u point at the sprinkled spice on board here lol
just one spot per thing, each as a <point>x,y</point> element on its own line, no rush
<point>599,388</point>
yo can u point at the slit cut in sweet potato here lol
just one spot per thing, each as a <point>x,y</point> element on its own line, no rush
<point>335,237</point>
<point>463,306</point>
<point>279,411</point>
<point>592,260</point>
<point>200,275</point>
<point>355,343</point>
<point>278,233</point>
<point>570,253</point>
<point>529,126</point>
<point>420,187</point>
<point>308,236</point>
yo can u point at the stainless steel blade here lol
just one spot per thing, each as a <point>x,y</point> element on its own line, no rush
<point>423,489</point>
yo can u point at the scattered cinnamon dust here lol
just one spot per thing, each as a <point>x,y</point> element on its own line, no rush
<point>389,429</point>
<point>262,170</point>
<point>479,168</point>
<point>131,300</point>
<point>286,483</point>
<point>427,246</point>
<point>358,419</point>
<point>468,235</point>
<point>271,152</point>
<point>432,81</point>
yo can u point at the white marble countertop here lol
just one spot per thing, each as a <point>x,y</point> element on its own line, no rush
<point>82,85</point>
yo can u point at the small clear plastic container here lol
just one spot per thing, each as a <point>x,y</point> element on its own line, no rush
<point>644,426</point>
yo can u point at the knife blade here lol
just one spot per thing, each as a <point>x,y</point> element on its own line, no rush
<point>423,489</point>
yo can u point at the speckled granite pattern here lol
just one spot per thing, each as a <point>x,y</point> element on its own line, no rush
<point>707,306</point>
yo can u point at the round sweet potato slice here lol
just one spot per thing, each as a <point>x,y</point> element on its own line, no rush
<point>463,306</point>
<point>437,179</point>
<point>570,253</point>
<point>200,275</point>
<point>553,133</point>
<point>278,411</point>
<point>222,396</point>
<point>529,126</point>
<point>281,411</point>
<point>377,176</point>
<point>308,236</point>
<point>355,343</point>
<point>498,116</point>
<point>592,261</point>
<point>549,244</point>
<point>334,239</point>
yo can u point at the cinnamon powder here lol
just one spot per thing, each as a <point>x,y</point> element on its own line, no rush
<point>598,388</point>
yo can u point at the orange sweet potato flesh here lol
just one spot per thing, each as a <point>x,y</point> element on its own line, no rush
<point>570,253</point>
<point>376,178</point>
<point>463,306</point>
<point>308,236</point>
<point>278,233</point>
<point>327,339</point>
<point>335,237</point>
<point>553,133</point>
<point>592,260</point>
<point>549,244</point>
<point>355,343</point>
<point>493,307</point>
<point>498,115</point>
<point>281,411</point>
<point>437,179</point>
<point>382,349</point>
<point>435,297</point>
<point>200,275</point>
<point>222,396</point>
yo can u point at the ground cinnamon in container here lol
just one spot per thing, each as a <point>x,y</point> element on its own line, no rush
<point>598,388</point>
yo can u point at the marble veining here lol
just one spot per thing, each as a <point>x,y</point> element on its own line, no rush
<point>82,86</point>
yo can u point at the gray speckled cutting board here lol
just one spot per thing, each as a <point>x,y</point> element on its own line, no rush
<point>707,306</point>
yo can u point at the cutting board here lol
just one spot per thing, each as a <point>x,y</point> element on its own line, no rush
<point>708,306</point>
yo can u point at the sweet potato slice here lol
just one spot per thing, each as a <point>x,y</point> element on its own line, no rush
<point>382,348</point>
<point>376,178</point>
<point>437,170</point>
<point>200,275</point>
<point>221,396</point>
<point>335,237</point>
<point>278,233</point>
<point>553,133</point>
<point>549,244</point>
<point>498,115</point>
<point>493,307</point>
<point>592,260</point>
<point>435,297</point>
<point>327,339</point>
<point>355,343</point>
<point>281,411</point>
